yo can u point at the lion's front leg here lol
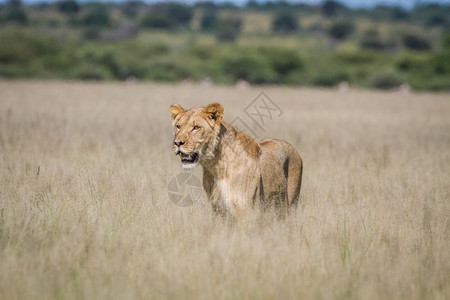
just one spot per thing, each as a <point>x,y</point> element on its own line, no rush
<point>242,192</point>
<point>213,197</point>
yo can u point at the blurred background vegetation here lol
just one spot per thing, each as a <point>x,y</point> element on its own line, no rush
<point>261,42</point>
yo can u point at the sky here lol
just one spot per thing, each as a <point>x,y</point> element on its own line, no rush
<point>350,3</point>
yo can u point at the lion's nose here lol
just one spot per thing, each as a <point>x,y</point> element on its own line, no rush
<point>178,143</point>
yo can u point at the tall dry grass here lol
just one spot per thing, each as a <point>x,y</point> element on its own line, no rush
<point>84,211</point>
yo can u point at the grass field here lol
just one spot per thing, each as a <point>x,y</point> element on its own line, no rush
<point>84,211</point>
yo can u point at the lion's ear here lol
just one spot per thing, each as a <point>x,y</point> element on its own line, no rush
<point>214,112</point>
<point>175,110</point>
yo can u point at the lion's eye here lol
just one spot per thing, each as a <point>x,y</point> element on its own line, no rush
<point>177,126</point>
<point>195,128</point>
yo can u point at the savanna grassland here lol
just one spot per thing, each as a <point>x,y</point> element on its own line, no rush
<point>84,211</point>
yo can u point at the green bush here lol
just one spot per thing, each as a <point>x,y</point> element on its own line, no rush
<point>415,42</point>
<point>371,40</point>
<point>340,30</point>
<point>130,8</point>
<point>209,21</point>
<point>228,29</point>
<point>68,7</point>
<point>16,15</point>
<point>285,23</point>
<point>166,71</point>
<point>249,66</point>
<point>91,33</point>
<point>283,61</point>
<point>179,14</point>
<point>357,57</point>
<point>90,71</point>
<point>386,80</point>
<point>441,63</point>
<point>23,47</point>
<point>157,21</point>
<point>330,8</point>
<point>329,77</point>
<point>96,16</point>
<point>412,63</point>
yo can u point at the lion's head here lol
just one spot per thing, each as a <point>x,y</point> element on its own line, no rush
<point>195,132</point>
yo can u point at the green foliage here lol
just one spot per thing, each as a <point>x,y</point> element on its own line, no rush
<point>436,21</point>
<point>412,63</point>
<point>415,42</point>
<point>157,21</point>
<point>330,8</point>
<point>90,71</point>
<point>96,16</point>
<point>14,12</point>
<point>16,15</point>
<point>179,14</point>
<point>285,23</point>
<point>130,8</point>
<point>209,21</point>
<point>446,40</point>
<point>371,40</point>
<point>166,71</point>
<point>68,6</point>
<point>329,77</point>
<point>386,80</point>
<point>357,57</point>
<point>91,33</point>
<point>340,30</point>
<point>283,61</point>
<point>85,49</point>
<point>399,14</point>
<point>249,66</point>
<point>23,47</point>
<point>228,29</point>
<point>441,63</point>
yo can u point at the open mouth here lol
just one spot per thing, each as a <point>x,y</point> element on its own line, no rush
<point>189,158</point>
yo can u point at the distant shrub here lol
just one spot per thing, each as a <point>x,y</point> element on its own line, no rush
<point>330,8</point>
<point>91,72</point>
<point>446,40</point>
<point>157,21</point>
<point>209,21</point>
<point>16,15</point>
<point>166,71</point>
<point>371,40</point>
<point>96,16</point>
<point>248,66</point>
<point>179,14</point>
<point>68,7</point>
<point>285,23</point>
<point>283,61</point>
<point>410,62</point>
<point>130,8</point>
<point>415,42</point>
<point>22,47</point>
<point>91,33</point>
<point>341,29</point>
<point>329,78</point>
<point>228,29</point>
<point>357,57</point>
<point>386,80</point>
<point>372,43</point>
<point>399,14</point>
<point>436,20</point>
<point>203,52</point>
<point>441,63</point>
<point>145,49</point>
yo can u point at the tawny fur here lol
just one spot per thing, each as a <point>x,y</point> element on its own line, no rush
<point>238,173</point>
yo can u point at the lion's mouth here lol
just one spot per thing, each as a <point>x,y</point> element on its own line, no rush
<point>189,158</point>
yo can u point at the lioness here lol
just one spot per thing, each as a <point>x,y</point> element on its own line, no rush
<point>238,173</point>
